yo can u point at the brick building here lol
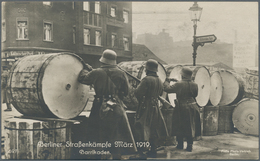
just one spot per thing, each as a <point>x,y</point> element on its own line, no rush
<point>82,27</point>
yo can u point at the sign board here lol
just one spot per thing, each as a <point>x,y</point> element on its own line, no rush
<point>244,55</point>
<point>205,39</point>
<point>20,53</point>
<point>23,53</point>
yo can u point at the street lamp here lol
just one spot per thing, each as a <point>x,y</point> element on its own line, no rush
<point>195,13</point>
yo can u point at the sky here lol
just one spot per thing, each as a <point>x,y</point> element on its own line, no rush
<point>222,19</point>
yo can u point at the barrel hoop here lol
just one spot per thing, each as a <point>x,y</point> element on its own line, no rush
<point>35,129</point>
<point>162,67</point>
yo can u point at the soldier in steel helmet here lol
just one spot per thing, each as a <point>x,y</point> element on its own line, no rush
<point>186,118</point>
<point>109,83</point>
<point>147,119</point>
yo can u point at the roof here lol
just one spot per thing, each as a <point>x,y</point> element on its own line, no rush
<point>142,53</point>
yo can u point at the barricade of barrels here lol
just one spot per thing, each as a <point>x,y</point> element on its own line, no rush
<point>228,100</point>
<point>34,138</point>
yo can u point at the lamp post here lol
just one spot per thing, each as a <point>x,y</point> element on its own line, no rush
<point>195,13</point>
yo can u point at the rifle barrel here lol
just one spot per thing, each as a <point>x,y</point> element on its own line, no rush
<point>129,74</point>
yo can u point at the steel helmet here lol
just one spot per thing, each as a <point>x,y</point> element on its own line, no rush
<point>151,65</point>
<point>186,72</point>
<point>108,57</point>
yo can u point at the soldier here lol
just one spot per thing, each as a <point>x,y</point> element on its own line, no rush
<point>110,83</point>
<point>148,115</point>
<point>186,118</point>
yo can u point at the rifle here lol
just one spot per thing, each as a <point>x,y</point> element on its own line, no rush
<point>163,101</point>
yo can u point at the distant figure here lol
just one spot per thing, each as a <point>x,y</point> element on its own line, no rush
<point>4,94</point>
<point>186,117</point>
<point>109,83</point>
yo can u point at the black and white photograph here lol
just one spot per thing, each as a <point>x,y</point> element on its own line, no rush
<point>129,80</point>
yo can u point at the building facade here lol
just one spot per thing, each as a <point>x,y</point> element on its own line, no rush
<point>86,28</point>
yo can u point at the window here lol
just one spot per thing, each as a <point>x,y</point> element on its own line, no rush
<point>47,3</point>
<point>86,6</point>
<point>97,7</point>
<point>22,28</point>
<point>113,11</point>
<point>98,38</point>
<point>3,31</point>
<point>125,16</point>
<point>74,35</point>
<point>113,40</point>
<point>126,43</point>
<point>47,31</point>
<point>86,36</point>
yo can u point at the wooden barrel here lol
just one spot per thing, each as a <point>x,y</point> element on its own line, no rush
<point>251,85</point>
<point>210,121</point>
<point>225,123</point>
<point>201,111</point>
<point>47,85</point>
<point>245,116</point>
<point>216,88</point>
<point>137,69</point>
<point>34,139</point>
<point>173,71</point>
<point>201,76</point>
<point>233,88</point>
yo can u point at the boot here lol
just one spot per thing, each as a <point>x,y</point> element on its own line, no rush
<point>189,148</point>
<point>180,145</point>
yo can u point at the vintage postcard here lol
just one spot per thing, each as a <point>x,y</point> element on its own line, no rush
<point>129,80</point>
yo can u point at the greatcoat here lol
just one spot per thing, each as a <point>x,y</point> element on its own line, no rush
<point>148,117</point>
<point>108,80</point>
<point>186,117</point>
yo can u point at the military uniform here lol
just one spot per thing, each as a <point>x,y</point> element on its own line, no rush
<point>148,118</point>
<point>108,82</point>
<point>186,118</point>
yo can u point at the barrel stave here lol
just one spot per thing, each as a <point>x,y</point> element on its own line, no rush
<point>25,137</point>
<point>36,138</point>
